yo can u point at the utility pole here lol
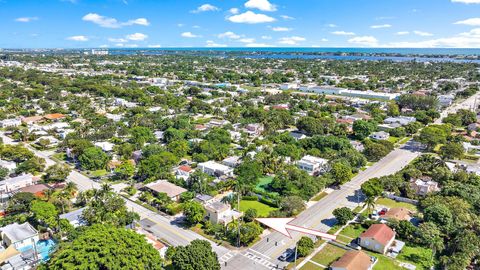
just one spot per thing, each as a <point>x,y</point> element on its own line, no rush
<point>295,260</point>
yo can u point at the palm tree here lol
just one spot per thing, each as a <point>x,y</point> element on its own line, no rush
<point>48,194</point>
<point>70,188</point>
<point>370,203</point>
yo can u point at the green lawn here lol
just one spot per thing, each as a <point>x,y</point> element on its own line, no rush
<point>263,182</point>
<point>262,209</point>
<point>352,230</point>
<point>393,139</point>
<point>328,254</point>
<point>311,266</point>
<point>60,156</point>
<point>419,256</point>
<point>391,203</point>
<point>97,173</point>
<point>404,140</point>
<point>319,196</point>
<point>385,263</point>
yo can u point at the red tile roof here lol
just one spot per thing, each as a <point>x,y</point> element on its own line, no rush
<point>380,232</point>
<point>185,168</point>
<point>353,260</point>
<point>54,116</point>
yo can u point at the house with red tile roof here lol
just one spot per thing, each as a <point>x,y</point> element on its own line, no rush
<point>378,238</point>
<point>353,260</point>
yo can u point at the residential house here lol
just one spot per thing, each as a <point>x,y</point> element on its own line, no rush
<point>10,165</point>
<point>312,165</point>
<point>10,123</point>
<point>15,183</point>
<point>254,129</point>
<point>401,120</point>
<point>232,161</point>
<point>446,100</point>
<point>424,185</point>
<point>215,169</point>
<point>74,217</point>
<point>21,236</point>
<point>203,199</point>
<point>159,135</point>
<point>32,119</point>
<point>398,213</point>
<point>378,238</point>
<point>183,171</point>
<point>380,135</point>
<point>354,260</point>
<point>105,146</point>
<point>162,186</point>
<point>37,190</point>
<point>357,146</point>
<point>297,135</point>
<point>221,213</point>
<point>54,116</point>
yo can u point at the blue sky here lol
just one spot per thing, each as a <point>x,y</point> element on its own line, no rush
<point>239,23</point>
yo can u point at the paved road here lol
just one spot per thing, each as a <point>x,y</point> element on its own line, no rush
<point>160,226</point>
<point>264,254</point>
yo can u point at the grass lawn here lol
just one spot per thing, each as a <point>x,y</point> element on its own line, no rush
<point>385,263</point>
<point>404,140</point>
<point>419,256</point>
<point>60,156</point>
<point>263,182</point>
<point>391,203</point>
<point>352,231</point>
<point>262,209</point>
<point>329,254</point>
<point>319,196</point>
<point>310,266</point>
<point>393,139</point>
<point>97,173</point>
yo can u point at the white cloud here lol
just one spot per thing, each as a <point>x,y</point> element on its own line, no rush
<point>467,1</point>
<point>108,22</point>
<point>154,46</point>
<point>380,26</point>
<point>266,37</point>
<point>422,33</point>
<point>180,25</point>
<point>470,22</point>
<point>331,25</point>
<point>247,40</point>
<point>368,41</point>
<point>258,45</point>
<point>343,33</point>
<point>229,34</point>
<point>234,10</point>
<point>250,18</point>
<point>26,19</point>
<point>211,43</point>
<point>136,36</point>
<point>103,46</point>
<point>286,17</point>
<point>189,35</point>
<point>117,40</point>
<point>262,5</point>
<point>402,33</point>
<point>291,40</point>
<point>204,8</point>
<point>281,29</point>
<point>324,40</point>
<point>78,38</point>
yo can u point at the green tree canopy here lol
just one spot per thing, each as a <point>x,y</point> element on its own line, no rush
<point>197,255</point>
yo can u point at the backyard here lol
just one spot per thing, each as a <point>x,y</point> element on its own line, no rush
<point>391,204</point>
<point>262,209</point>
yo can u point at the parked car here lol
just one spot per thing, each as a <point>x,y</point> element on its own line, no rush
<point>287,254</point>
<point>354,244</point>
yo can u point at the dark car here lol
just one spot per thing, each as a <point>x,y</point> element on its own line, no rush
<point>287,254</point>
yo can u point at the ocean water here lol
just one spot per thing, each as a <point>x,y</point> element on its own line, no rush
<point>392,54</point>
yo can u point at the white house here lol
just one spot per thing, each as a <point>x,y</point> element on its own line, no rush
<point>10,165</point>
<point>10,123</point>
<point>215,169</point>
<point>402,120</point>
<point>19,235</point>
<point>15,183</point>
<point>105,146</point>
<point>232,161</point>
<point>312,165</point>
<point>221,213</point>
<point>381,135</point>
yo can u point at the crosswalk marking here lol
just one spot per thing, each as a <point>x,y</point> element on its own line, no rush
<point>259,260</point>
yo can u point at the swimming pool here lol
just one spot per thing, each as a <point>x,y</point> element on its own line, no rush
<point>44,248</point>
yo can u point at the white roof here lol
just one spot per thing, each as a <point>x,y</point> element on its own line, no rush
<point>18,232</point>
<point>214,166</point>
<point>313,160</point>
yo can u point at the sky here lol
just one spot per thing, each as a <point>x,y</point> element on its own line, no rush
<point>239,23</point>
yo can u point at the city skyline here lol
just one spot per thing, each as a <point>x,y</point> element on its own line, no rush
<point>240,23</point>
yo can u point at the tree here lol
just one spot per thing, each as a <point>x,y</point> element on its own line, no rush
<point>194,212</point>
<point>197,255</point>
<point>20,202</point>
<point>4,172</point>
<point>372,188</point>
<point>374,151</point>
<point>33,165</point>
<point>440,215</point>
<point>44,212</point>
<point>341,172</point>
<point>248,233</point>
<point>125,170</point>
<point>155,166</point>
<point>93,158</point>
<point>452,150</point>
<point>362,129</point>
<point>343,215</point>
<point>250,215</point>
<point>292,205</point>
<point>57,173</point>
<point>141,135</point>
<point>248,173</point>
<point>106,247</point>
<point>433,135</point>
<point>305,246</point>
